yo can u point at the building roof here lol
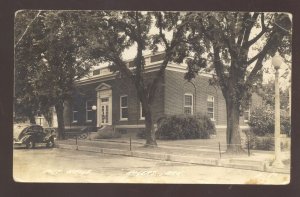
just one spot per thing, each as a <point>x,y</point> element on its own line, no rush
<point>152,63</point>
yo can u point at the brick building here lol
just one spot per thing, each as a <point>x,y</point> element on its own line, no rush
<point>103,98</point>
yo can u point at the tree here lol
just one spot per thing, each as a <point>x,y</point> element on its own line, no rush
<point>114,32</point>
<point>25,100</point>
<point>49,59</point>
<point>230,40</point>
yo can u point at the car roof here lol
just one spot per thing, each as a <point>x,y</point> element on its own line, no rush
<point>18,128</point>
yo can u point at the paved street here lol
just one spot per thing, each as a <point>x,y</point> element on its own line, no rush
<point>58,165</point>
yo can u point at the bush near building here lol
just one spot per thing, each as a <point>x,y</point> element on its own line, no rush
<point>263,142</point>
<point>262,122</point>
<point>262,125</point>
<point>185,127</point>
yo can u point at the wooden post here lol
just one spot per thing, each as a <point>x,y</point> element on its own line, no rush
<point>76,143</point>
<point>220,150</point>
<point>248,146</point>
<point>130,143</point>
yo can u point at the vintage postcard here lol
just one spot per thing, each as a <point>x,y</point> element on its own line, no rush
<point>181,97</point>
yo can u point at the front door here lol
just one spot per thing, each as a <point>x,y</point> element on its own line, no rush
<point>104,111</point>
<point>104,104</point>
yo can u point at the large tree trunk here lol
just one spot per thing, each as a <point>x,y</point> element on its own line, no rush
<point>32,119</point>
<point>49,116</point>
<point>150,130</point>
<point>60,120</point>
<point>233,137</point>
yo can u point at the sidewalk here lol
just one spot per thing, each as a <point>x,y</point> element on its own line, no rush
<point>202,152</point>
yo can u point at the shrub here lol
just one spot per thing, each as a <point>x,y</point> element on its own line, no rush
<point>207,124</point>
<point>285,125</point>
<point>250,139</point>
<point>265,143</point>
<point>262,122</point>
<point>185,127</point>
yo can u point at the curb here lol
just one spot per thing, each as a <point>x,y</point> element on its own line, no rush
<point>146,155</point>
<point>227,163</point>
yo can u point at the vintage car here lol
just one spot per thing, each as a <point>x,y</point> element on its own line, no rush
<point>30,135</point>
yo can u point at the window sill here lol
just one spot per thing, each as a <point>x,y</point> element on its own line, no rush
<point>75,122</point>
<point>88,121</point>
<point>124,119</point>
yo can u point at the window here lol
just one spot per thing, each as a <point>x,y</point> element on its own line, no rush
<point>188,104</point>
<point>123,108</point>
<point>142,112</point>
<point>156,58</point>
<point>96,72</point>
<point>247,115</point>
<point>75,116</point>
<point>210,107</point>
<point>89,111</point>
<point>131,64</point>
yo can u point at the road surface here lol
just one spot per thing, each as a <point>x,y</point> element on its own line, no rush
<point>71,166</point>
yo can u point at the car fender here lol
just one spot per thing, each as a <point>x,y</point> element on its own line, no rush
<point>49,138</point>
<point>26,138</point>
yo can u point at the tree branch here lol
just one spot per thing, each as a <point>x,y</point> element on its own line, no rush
<point>272,45</point>
<point>151,91</point>
<point>139,81</point>
<point>262,32</point>
<point>162,35</point>
<point>219,68</point>
<point>249,27</point>
<point>259,55</point>
<point>241,33</point>
<point>123,68</point>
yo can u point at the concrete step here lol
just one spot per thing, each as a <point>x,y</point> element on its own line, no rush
<point>105,128</point>
<point>246,161</point>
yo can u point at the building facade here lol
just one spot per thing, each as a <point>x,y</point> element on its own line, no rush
<point>104,98</point>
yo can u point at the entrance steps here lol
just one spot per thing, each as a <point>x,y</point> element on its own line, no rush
<point>106,128</point>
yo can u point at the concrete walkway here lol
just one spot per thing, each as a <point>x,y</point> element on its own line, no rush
<point>202,152</point>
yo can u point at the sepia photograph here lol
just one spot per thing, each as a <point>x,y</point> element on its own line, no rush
<point>152,97</point>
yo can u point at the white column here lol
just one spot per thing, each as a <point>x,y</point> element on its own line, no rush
<point>98,109</point>
<point>277,162</point>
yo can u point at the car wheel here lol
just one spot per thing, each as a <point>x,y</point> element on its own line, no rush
<point>30,144</point>
<point>83,136</point>
<point>50,144</point>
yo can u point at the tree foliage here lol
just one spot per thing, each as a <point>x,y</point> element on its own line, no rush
<point>49,58</point>
<point>262,122</point>
<point>267,92</point>
<point>237,44</point>
<point>118,31</point>
<point>231,38</point>
<point>26,102</point>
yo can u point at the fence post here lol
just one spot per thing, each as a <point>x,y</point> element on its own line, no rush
<point>248,146</point>
<point>130,143</point>
<point>220,150</point>
<point>76,143</point>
